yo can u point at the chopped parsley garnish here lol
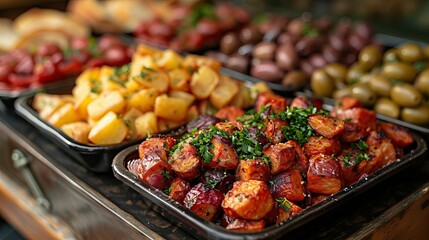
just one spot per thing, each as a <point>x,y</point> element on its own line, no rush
<point>211,182</point>
<point>246,146</point>
<point>254,119</point>
<point>95,86</point>
<point>202,142</point>
<point>309,31</point>
<point>120,75</point>
<point>361,147</point>
<point>165,175</point>
<point>167,190</point>
<point>284,203</point>
<point>298,128</point>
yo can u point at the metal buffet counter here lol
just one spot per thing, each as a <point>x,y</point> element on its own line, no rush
<point>86,205</point>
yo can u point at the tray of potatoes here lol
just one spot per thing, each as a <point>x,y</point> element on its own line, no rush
<point>110,108</point>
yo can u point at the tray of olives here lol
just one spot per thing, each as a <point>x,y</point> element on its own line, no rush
<point>393,82</point>
<point>226,179</point>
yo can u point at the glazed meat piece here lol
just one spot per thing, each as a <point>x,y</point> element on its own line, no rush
<point>364,118</point>
<point>230,113</point>
<point>203,201</point>
<point>185,161</point>
<point>228,127</point>
<point>219,179</point>
<point>353,132</point>
<point>344,103</point>
<point>277,103</point>
<point>399,135</point>
<point>285,209</point>
<point>380,149</point>
<point>253,169</point>
<point>316,145</point>
<point>316,198</point>
<point>353,164</point>
<point>289,184</point>
<point>178,189</point>
<point>159,146</point>
<point>302,102</point>
<point>324,175</point>
<point>301,162</point>
<point>282,157</point>
<point>325,126</point>
<point>249,200</point>
<point>274,130</point>
<point>224,155</point>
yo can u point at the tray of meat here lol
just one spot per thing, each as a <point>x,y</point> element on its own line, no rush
<point>262,173</point>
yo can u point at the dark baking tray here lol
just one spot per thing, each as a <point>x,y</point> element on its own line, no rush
<point>200,228</point>
<point>94,157</point>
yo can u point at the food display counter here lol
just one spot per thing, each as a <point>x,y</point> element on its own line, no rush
<point>98,206</point>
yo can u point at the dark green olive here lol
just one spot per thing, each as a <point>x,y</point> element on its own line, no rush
<point>370,56</point>
<point>294,79</point>
<point>364,94</point>
<point>418,115</point>
<point>399,71</point>
<point>391,55</point>
<point>354,72</point>
<point>337,71</point>
<point>422,82</point>
<point>410,52</point>
<point>406,95</point>
<point>342,92</point>
<point>322,84</point>
<point>387,107</point>
<point>380,85</point>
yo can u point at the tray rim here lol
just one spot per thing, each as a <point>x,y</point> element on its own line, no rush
<point>275,231</point>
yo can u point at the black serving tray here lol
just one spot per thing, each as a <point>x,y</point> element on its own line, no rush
<point>201,228</point>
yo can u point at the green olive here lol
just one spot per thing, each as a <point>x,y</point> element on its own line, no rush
<point>406,95</point>
<point>399,71</point>
<point>418,115</point>
<point>342,92</point>
<point>370,56</point>
<point>355,71</point>
<point>295,79</point>
<point>410,52</point>
<point>387,107</point>
<point>391,55</point>
<point>337,71</point>
<point>422,82</point>
<point>366,78</point>
<point>322,84</point>
<point>426,51</point>
<point>364,94</point>
<point>380,85</point>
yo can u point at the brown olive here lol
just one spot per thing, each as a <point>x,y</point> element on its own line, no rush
<point>391,55</point>
<point>306,67</point>
<point>342,92</point>
<point>286,38</point>
<point>286,57</point>
<point>317,60</point>
<point>267,71</point>
<point>229,43</point>
<point>337,71</point>
<point>410,52</point>
<point>364,94</point>
<point>337,42</point>
<point>418,115</point>
<point>381,85</point>
<point>294,79</point>
<point>322,84</point>
<point>306,46</point>
<point>295,27</point>
<point>399,71</point>
<point>387,107</point>
<point>422,82</point>
<point>354,72</point>
<point>349,58</point>
<point>264,50</point>
<point>356,42</point>
<point>330,54</point>
<point>370,56</point>
<point>238,63</point>
<point>250,34</point>
<point>364,30</point>
<point>406,95</point>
